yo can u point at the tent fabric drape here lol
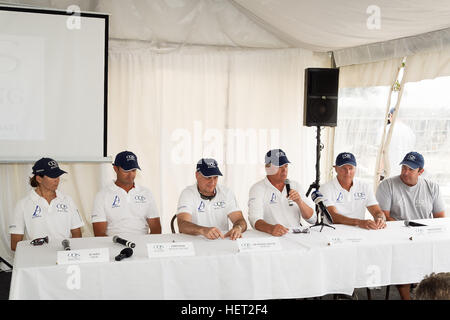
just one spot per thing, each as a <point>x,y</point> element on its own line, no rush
<point>175,107</point>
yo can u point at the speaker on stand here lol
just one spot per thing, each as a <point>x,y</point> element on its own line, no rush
<point>320,109</point>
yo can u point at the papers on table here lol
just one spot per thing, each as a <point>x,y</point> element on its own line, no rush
<point>82,256</point>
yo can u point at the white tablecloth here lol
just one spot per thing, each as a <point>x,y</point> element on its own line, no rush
<point>305,267</point>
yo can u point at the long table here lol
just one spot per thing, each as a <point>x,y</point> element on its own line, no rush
<point>307,265</point>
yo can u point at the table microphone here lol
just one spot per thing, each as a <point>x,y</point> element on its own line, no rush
<point>414,224</point>
<point>66,245</point>
<point>288,189</point>
<point>125,253</point>
<point>317,197</point>
<point>126,243</point>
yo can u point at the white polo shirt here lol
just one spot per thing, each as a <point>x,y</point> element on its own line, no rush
<point>125,213</point>
<point>35,218</point>
<point>208,213</point>
<point>351,203</point>
<point>269,204</point>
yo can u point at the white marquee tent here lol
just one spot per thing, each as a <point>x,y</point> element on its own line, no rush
<point>190,78</point>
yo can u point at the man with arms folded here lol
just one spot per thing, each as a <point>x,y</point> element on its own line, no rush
<point>123,207</point>
<point>408,196</point>
<point>270,208</point>
<point>205,207</point>
<point>347,198</point>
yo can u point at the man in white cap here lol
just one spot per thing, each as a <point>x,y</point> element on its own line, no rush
<point>270,208</point>
<point>205,207</point>
<point>123,207</point>
<point>45,212</point>
<point>408,196</point>
<point>347,197</point>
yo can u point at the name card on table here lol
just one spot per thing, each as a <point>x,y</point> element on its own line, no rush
<point>258,244</point>
<point>82,256</point>
<point>170,249</point>
<point>420,232</point>
<point>344,240</point>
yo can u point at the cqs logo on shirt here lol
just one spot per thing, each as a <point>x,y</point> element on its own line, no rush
<point>61,207</point>
<point>140,199</point>
<point>37,212</point>
<point>359,195</point>
<point>201,207</point>
<point>116,202</point>
<point>219,205</point>
<point>273,199</point>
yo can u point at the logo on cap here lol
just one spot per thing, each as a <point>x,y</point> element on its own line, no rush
<point>413,160</point>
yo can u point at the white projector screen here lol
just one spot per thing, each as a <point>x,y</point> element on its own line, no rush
<point>53,85</point>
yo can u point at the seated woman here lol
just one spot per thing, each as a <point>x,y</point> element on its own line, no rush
<point>45,211</point>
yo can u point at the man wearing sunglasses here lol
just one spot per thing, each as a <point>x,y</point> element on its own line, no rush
<point>45,212</point>
<point>123,207</point>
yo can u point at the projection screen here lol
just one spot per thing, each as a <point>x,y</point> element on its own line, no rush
<point>53,85</point>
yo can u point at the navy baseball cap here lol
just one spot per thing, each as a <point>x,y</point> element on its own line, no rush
<point>127,160</point>
<point>345,158</point>
<point>208,167</point>
<point>413,160</point>
<point>47,167</point>
<point>277,157</point>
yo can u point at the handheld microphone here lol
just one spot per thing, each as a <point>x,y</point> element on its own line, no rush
<point>126,243</point>
<point>317,197</point>
<point>66,245</point>
<point>125,253</point>
<point>288,189</point>
<point>414,224</point>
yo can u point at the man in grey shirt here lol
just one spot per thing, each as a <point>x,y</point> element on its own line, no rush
<point>408,197</point>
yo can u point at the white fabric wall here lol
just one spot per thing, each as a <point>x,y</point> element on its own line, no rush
<point>172,108</point>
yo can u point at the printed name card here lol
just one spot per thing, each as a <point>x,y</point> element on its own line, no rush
<point>344,240</point>
<point>258,244</point>
<point>422,232</point>
<point>170,249</point>
<point>82,256</point>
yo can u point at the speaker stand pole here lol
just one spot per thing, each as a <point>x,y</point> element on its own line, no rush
<point>316,184</point>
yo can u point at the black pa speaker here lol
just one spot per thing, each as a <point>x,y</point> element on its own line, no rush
<point>321,97</point>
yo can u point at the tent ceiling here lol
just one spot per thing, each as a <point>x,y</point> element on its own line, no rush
<point>320,25</point>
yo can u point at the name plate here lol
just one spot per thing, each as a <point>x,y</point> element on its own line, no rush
<point>344,240</point>
<point>258,244</point>
<point>418,232</point>
<point>82,256</point>
<point>170,249</point>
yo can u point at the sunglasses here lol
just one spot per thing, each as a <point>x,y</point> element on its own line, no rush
<point>39,241</point>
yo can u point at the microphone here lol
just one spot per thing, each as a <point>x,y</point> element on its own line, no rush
<point>126,243</point>
<point>414,224</point>
<point>317,197</point>
<point>288,189</point>
<point>66,245</point>
<point>125,253</point>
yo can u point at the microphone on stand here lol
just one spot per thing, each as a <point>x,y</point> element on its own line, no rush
<point>288,189</point>
<point>126,243</point>
<point>66,244</point>
<point>414,224</point>
<point>125,253</point>
<point>317,197</point>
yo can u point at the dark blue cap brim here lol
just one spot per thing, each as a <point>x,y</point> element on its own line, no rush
<point>353,163</point>
<point>210,172</point>
<point>281,162</point>
<point>55,173</point>
<point>411,165</point>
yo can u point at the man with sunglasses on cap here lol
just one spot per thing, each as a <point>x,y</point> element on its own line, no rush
<point>205,207</point>
<point>347,197</point>
<point>408,196</point>
<point>45,211</point>
<point>270,208</point>
<point>122,207</point>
